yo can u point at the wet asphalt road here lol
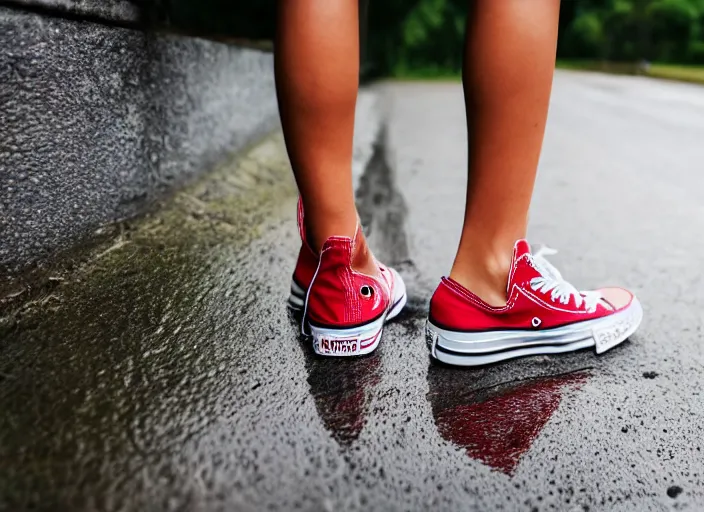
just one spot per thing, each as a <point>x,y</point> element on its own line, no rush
<point>170,377</point>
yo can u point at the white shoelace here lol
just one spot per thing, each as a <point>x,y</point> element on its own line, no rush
<point>551,281</point>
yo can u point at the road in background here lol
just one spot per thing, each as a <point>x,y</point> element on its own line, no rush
<point>185,385</point>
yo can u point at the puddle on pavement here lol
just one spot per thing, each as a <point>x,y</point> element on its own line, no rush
<point>495,425</point>
<point>382,207</point>
<point>383,212</point>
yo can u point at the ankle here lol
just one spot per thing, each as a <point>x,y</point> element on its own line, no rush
<point>362,259</point>
<point>322,221</point>
<point>485,275</point>
<point>316,235</point>
<point>324,218</point>
<point>320,226</point>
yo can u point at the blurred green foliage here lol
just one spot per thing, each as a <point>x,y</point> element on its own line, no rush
<point>415,37</point>
<point>424,37</point>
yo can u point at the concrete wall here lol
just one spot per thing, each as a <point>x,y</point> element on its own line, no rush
<point>96,121</point>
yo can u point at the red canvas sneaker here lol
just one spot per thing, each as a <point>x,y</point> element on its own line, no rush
<point>544,314</point>
<point>344,311</point>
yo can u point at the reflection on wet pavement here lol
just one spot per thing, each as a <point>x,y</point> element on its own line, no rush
<point>341,389</point>
<point>496,425</point>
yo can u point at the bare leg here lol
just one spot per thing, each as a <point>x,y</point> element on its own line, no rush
<point>508,70</point>
<point>317,77</point>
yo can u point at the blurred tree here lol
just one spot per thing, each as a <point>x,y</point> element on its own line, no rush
<point>674,27</point>
<point>420,36</point>
<point>620,23</point>
<point>585,37</point>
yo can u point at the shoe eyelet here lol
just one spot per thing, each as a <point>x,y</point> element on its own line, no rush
<point>536,321</point>
<point>366,291</point>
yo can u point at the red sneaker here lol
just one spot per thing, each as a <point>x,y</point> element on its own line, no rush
<point>544,315</point>
<point>343,310</point>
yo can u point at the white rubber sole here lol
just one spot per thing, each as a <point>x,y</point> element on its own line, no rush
<point>480,348</point>
<point>356,341</point>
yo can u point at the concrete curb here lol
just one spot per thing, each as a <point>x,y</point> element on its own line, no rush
<point>99,122</point>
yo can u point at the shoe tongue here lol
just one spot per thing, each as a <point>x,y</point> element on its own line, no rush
<point>521,269</point>
<point>520,248</point>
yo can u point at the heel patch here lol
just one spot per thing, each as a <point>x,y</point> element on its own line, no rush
<point>331,346</point>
